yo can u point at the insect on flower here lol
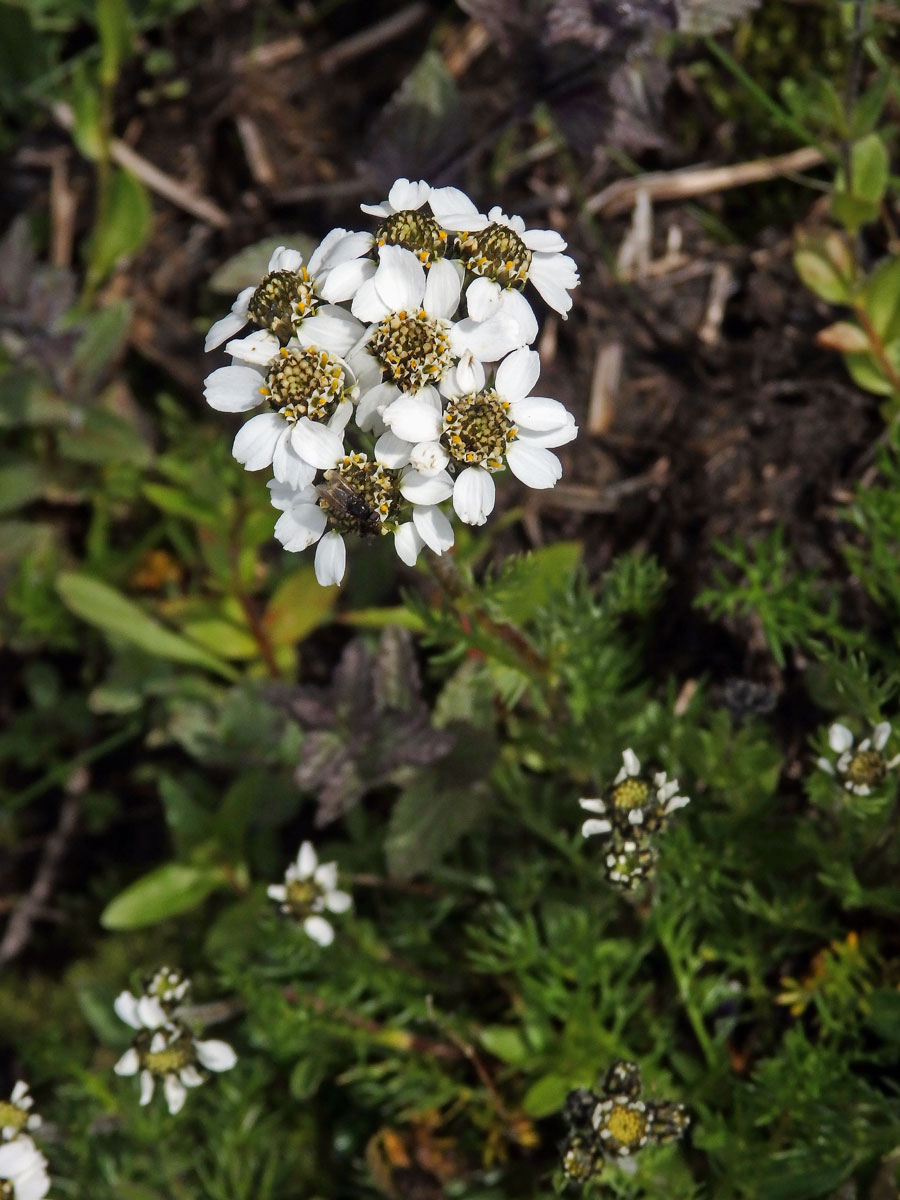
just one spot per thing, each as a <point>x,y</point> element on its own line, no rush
<point>348,506</point>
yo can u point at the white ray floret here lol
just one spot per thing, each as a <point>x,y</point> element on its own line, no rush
<point>23,1170</point>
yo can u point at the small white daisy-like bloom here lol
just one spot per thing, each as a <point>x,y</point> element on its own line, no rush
<point>357,497</point>
<point>291,294</point>
<point>622,1125</point>
<point>169,986</point>
<point>23,1170</point>
<point>633,802</point>
<point>484,429</point>
<point>500,249</point>
<point>166,1050</point>
<point>15,1114</point>
<point>309,890</point>
<point>862,766</point>
<point>309,391</point>
<point>403,222</point>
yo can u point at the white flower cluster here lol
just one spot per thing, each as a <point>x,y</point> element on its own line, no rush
<point>309,890</point>
<point>23,1169</point>
<point>395,373</point>
<point>164,1047</point>
<point>860,766</point>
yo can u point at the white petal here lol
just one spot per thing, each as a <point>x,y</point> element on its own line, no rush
<point>433,527</point>
<point>151,1012</point>
<point>392,451</point>
<point>839,738</point>
<point>126,1007</point>
<point>285,259</point>
<point>300,526</point>
<point>129,1063</point>
<point>319,930</point>
<point>233,389</point>
<point>407,543</point>
<point>190,1076</point>
<point>631,764</point>
<point>368,304</point>
<point>283,496</point>
<point>442,289</point>
<point>425,489</point>
<point>176,1093</point>
<point>488,340</point>
<point>552,276</point>
<point>371,406</point>
<point>414,420</point>
<point>405,194</point>
<point>277,892</point>
<point>825,765</point>
<point>560,436</point>
<point>215,1055</point>
<point>594,826</point>
<point>454,210</point>
<point>326,875</point>
<point>317,443</point>
<point>484,299</point>
<point>33,1186</point>
<point>399,280</point>
<point>331,328</point>
<point>474,495</point>
<point>146,1087</point>
<point>331,559</point>
<point>533,465</point>
<point>538,412</point>
<point>19,1094</point>
<point>880,735</point>
<point>254,445</point>
<point>517,308</point>
<point>429,458</point>
<point>517,375</point>
<point>548,241</point>
<point>344,281</point>
<point>307,860</point>
<point>593,805</point>
<point>377,210</point>
<point>287,465</point>
<point>338,901</point>
<point>468,375</point>
<point>336,247</point>
<point>232,323</point>
<point>258,348</point>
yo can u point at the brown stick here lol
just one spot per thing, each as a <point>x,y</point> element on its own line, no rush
<point>620,196</point>
<point>18,928</point>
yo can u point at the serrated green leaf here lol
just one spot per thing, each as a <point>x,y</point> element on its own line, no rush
<point>427,821</point>
<point>531,582</point>
<point>100,605</point>
<point>165,892</point>
<point>124,228</point>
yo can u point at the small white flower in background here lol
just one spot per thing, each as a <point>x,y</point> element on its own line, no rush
<point>483,429</point>
<point>634,809</point>
<point>309,890</point>
<point>23,1170</point>
<point>169,986</point>
<point>15,1114</point>
<point>165,1049</point>
<point>861,766</point>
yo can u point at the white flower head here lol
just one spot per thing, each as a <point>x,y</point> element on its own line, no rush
<point>15,1114</point>
<point>23,1170</point>
<point>860,766</point>
<point>482,430</point>
<point>635,808</point>
<point>164,1049</point>
<point>292,295</point>
<point>309,891</point>
<point>357,496</point>
<point>169,986</point>
<point>309,392</point>
<point>499,248</point>
<point>405,224</point>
